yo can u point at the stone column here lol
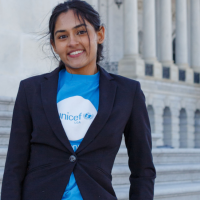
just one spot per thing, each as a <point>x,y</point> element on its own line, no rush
<point>103,11</point>
<point>175,125</point>
<point>149,37</point>
<point>182,39</point>
<point>158,117</point>
<point>166,32</point>
<point>181,34</point>
<point>190,127</point>
<point>197,128</point>
<point>157,5</point>
<point>195,34</point>
<point>131,65</point>
<point>149,42</point>
<point>165,25</point>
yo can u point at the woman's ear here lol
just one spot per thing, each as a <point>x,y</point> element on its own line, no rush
<point>101,35</point>
<point>53,45</point>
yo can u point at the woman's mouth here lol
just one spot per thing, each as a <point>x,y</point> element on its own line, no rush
<point>75,54</point>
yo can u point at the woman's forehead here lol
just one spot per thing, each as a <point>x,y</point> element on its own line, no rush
<point>68,20</point>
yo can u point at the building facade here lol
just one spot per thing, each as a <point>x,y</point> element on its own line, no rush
<point>155,42</point>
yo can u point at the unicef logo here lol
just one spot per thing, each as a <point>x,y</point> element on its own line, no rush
<point>88,116</point>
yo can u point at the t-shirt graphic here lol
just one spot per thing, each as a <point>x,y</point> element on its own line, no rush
<point>76,114</point>
<point>77,103</point>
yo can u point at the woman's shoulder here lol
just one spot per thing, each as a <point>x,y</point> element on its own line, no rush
<point>124,81</point>
<point>37,79</point>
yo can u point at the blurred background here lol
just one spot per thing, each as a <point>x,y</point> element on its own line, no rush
<point>156,42</point>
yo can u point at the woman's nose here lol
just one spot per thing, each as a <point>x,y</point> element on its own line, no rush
<point>72,41</point>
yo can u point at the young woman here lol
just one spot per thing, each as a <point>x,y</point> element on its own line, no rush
<point>67,125</point>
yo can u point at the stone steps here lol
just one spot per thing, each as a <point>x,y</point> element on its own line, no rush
<point>6,104</point>
<point>5,118</point>
<point>165,173</point>
<point>3,153</point>
<point>178,170</point>
<point>176,156</point>
<point>6,111</point>
<point>4,136</point>
<point>165,156</point>
<point>178,174</point>
<point>1,176</point>
<point>170,191</point>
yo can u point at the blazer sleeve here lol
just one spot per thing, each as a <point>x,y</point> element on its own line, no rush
<point>18,149</point>
<point>138,142</point>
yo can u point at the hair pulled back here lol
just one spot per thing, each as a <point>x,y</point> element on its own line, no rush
<point>82,10</point>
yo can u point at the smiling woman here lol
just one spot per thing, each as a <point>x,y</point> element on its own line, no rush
<point>68,124</point>
<point>77,36</point>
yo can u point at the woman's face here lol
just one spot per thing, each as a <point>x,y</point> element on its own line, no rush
<point>71,43</point>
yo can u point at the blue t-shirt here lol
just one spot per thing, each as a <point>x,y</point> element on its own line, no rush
<point>77,103</point>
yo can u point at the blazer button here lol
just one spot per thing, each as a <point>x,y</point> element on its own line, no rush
<point>72,158</point>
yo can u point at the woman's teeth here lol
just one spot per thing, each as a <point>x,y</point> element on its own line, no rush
<point>76,52</point>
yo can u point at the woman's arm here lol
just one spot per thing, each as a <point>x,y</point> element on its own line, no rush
<point>138,142</point>
<point>18,150</point>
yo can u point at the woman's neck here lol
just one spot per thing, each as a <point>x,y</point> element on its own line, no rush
<point>82,70</point>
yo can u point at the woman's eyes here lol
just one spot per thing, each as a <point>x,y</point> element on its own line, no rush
<point>78,33</point>
<point>62,36</point>
<point>82,32</point>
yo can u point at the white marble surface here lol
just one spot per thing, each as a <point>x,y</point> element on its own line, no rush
<point>165,31</point>
<point>181,34</point>
<point>149,30</point>
<point>195,34</point>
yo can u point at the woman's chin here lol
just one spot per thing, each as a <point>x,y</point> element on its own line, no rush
<point>75,66</point>
<point>78,66</point>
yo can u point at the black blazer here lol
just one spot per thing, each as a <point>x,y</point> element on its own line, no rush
<point>38,165</point>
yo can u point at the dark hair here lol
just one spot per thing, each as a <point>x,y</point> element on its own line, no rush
<point>81,9</point>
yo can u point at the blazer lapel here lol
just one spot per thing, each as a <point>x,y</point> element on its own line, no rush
<point>107,90</point>
<point>49,100</point>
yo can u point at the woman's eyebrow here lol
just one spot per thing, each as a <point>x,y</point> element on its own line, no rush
<point>79,26</point>
<point>58,31</point>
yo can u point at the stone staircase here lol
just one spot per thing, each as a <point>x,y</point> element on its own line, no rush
<point>178,174</point>
<point>6,109</point>
<point>178,170</point>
